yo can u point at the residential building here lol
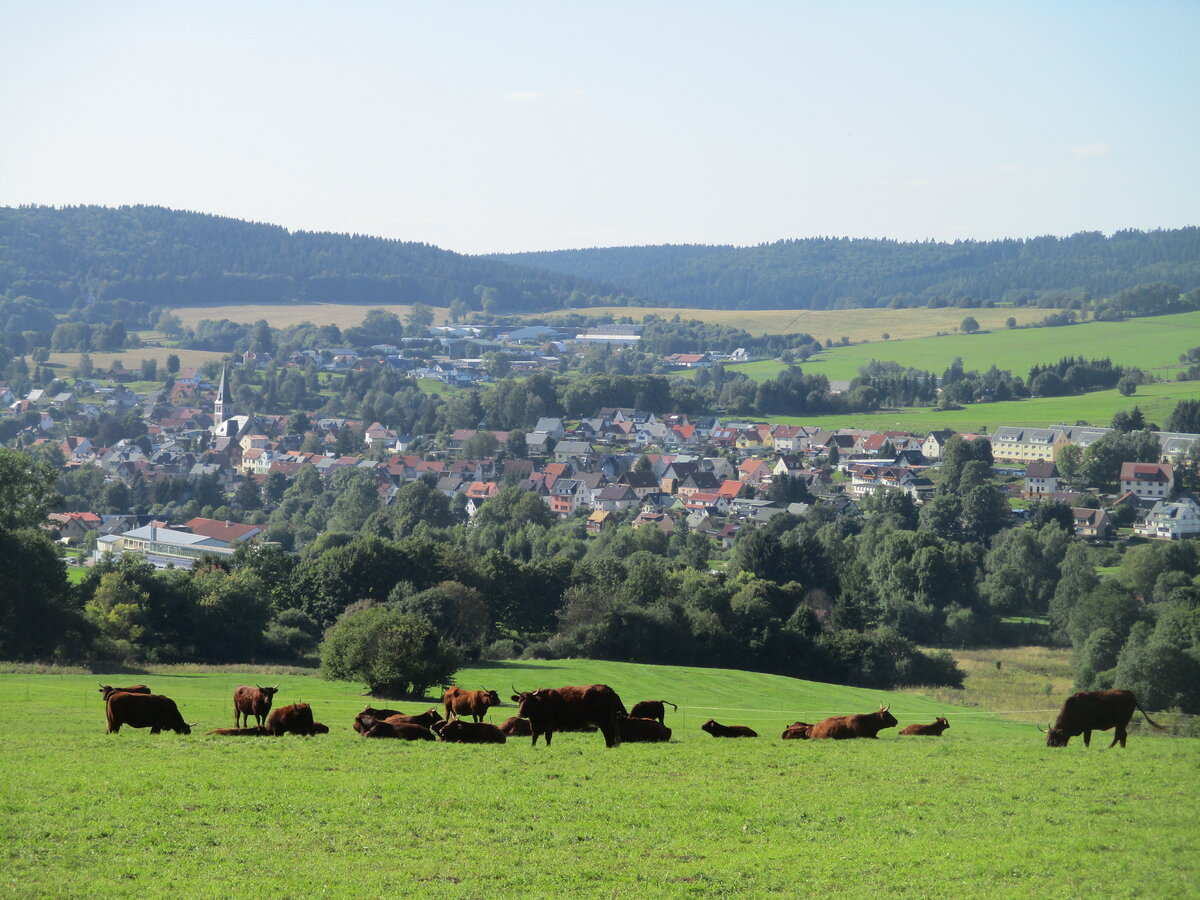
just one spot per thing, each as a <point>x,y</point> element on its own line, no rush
<point>1147,481</point>
<point>1171,521</point>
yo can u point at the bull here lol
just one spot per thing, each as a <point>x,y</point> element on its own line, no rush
<point>797,731</point>
<point>252,701</point>
<point>108,689</point>
<point>934,728</point>
<point>458,731</point>
<point>1089,711</point>
<point>515,726</point>
<point>252,731</point>
<point>153,711</point>
<point>867,725</point>
<point>652,709</point>
<point>716,729</point>
<point>469,703</point>
<point>636,729</point>
<point>571,709</point>
<point>294,719</point>
<point>378,728</point>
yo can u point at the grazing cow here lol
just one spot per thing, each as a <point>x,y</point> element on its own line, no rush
<point>377,728</point>
<point>635,729</point>
<point>1089,711</point>
<point>841,728</point>
<point>153,711</point>
<point>934,728</point>
<point>294,719</point>
<point>252,701</point>
<point>107,689</point>
<point>716,729</point>
<point>458,731</point>
<point>515,726</point>
<point>372,712</point>
<point>425,719</point>
<point>571,709</point>
<point>652,709</point>
<point>320,728</point>
<point>797,731</point>
<point>469,703</point>
<point>252,731</point>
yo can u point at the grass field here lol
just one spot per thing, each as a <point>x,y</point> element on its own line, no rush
<point>986,810</point>
<point>343,315</point>
<point>832,324</point>
<point>131,359</point>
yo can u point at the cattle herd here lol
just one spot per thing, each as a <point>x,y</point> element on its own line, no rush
<point>542,712</point>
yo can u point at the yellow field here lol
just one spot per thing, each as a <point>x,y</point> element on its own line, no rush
<point>131,359</point>
<point>343,315</point>
<point>856,324</point>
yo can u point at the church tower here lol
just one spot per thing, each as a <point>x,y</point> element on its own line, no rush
<point>223,405</point>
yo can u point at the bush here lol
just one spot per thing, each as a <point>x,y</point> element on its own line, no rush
<point>394,653</point>
<point>505,648</point>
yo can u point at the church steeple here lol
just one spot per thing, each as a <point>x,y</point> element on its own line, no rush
<point>223,405</point>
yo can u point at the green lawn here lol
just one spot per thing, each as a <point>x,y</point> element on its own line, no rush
<point>986,811</point>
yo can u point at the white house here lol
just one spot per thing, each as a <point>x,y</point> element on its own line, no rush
<point>1171,521</point>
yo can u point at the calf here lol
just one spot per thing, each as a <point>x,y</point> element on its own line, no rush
<point>458,731</point>
<point>252,701</point>
<point>635,729</point>
<point>842,728</point>
<point>514,726</point>
<point>797,731</point>
<point>652,709</point>
<point>934,728</point>
<point>716,729</point>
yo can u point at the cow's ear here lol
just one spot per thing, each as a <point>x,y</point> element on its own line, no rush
<point>516,698</point>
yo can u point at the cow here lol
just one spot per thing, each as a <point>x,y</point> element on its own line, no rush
<point>458,731</point>
<point>252,731</point>
<point>372,712</point>
<point>425,719</point>
<point>252,701</point>
<point>652,709</point>
<point>294,719</point>
<point>637,729</point>
<point>377,728</point>
<point>469,703</point>
<point>867,725</point>
<point>797,731</point>
<point>515,726</point>
<point>1089,711</point>
<point>934,728</point>
<point>107,689</point>
<point>716,729</point>
<point>320,728</point>
<point>571,708</point>
<point>153,711</point>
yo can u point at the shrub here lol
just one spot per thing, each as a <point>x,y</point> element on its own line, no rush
<point>394,653</point>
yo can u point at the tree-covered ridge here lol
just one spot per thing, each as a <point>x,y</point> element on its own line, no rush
<point>168,257</point>
<point>828,273</point>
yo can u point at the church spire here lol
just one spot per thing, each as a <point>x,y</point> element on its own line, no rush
<point>223,405</point>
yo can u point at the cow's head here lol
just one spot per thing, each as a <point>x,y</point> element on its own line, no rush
<point>445,726</point>
<point>269,692</point>
<point>529,702</point>
<point>493,698</point>
<point>1055,737</point>
<point>886,717</point>
<point>942,723</point>
<point>185,727</point>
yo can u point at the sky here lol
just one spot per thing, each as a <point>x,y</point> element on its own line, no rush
<point>505,126</point>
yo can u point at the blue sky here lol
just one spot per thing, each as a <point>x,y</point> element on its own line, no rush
<point>522,126</point>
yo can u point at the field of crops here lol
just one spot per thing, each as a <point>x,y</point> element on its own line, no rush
<point>343,315</point>
<point>986,810</point>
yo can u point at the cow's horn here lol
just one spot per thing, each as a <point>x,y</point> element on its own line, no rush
<point>514,688</point>
<point>275,688</point>
<point>1041,729</point>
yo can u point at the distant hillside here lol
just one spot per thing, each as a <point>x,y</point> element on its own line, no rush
<point>825,273</point>
<point>166,257</point>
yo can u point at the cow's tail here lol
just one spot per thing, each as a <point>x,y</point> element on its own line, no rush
<point>670,704</point>
<point>1148,719</point>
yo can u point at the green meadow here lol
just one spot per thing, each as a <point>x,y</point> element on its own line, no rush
<point>986,810</point>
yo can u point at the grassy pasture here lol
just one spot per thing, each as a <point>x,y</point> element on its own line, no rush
<point>132,359</point>
<point>986,810</point>
<point>343,315</point>
<point>832,324</point>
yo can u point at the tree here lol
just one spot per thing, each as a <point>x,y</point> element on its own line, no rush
<point>834,456</point>
<point>1128,420</point>
<point>1070,463</point>
<point>1127,386</point>
<point>26,489</point>
<point>173,363</point>
<point>356,497</point>
<point>497,364</point>
<point>394,653</point>
<point>247,495</point>
<point>37,617</point>
<point>1103,458</point>
<point>457,612</point>
<point>149,369</point>
<point>969,325</point>
<point>480,445</point>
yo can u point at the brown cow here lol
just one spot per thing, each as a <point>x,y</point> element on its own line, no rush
<point>652,709</point>
<point>252,701</point>
<point>377,728</point>
<point>636,729</point>
<point>1089,711</point>
<point>571,709</point>
<point>797,731</point>
<point>294,719</point>
<point>934,728</point>
<point>153,711</point>
<point>372,712</point>
<point>515,726</point>
<point>469,703</point>
<point>458,731</point>
<point>716,729</point>
<point>867,725</point>
<point>107,689</point>
<point>252,731</point>
<point>425,719</point>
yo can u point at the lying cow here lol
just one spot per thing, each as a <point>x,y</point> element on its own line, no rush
<point>252,701</point>
<point>425,719</point>
<point>373,713</point>
<point>1088,711</point>
<point>107,689</point>
<point>377,728</point>
<point>459,731</point>
<point>635,729</point>
<point>652,709</point>
<point>251,731</point>
<point>469,703</point>
<point>867,725</point>
<point>294,719</point>
<point>515,726</point>
<point>934,728</point>
<point>797,731</point>
<point>153,711</point>
<point>716,729</point>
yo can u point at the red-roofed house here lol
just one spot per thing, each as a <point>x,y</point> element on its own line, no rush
<point>228,532</point>
<point>1150,481</point>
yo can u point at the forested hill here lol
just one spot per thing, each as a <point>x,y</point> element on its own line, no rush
<point>166,257</point>
<point>824,273</point>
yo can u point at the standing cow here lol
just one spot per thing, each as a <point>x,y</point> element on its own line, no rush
<point>571,709</point>
<point>934,728</point>
<point>469,703</point>
<point>716,729</point>
<point>107,689</point>
<point>1089,711</point>
<point>652,709</point>
<point>153,711</point>
<point>252,701</point>
<point>842,728</point>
